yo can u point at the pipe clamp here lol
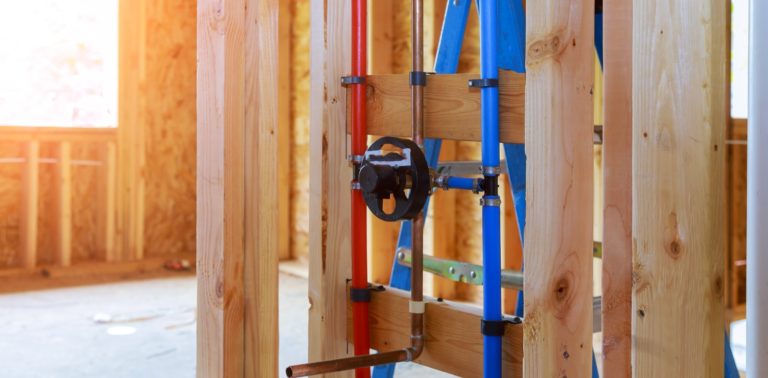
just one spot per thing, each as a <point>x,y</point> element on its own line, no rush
<point>416,307</point>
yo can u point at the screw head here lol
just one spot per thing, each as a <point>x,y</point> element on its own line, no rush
<point>451,270</point>
<point>473,274</point>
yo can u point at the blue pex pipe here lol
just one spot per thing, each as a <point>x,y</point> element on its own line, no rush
<point>491,212</point>
<point>461,183</point>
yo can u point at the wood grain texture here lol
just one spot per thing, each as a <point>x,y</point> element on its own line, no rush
<point>678,202</point>
<point>451,108</point>
<point>168,130</point>
<point>107,189</point>
<point>443,220</point>
<point>558,233</point>
<point>617,176</point>
<point>237,226</point>
<point>330,176</point>
<point>300,98</point>
<point>263,153</point>
<point>382,236</point>
<point>63,207</point>
<point>27,256</point>
<point>736,170</point>
<point>453,343</point>
<point>131,120</point>
<point>283,131</point>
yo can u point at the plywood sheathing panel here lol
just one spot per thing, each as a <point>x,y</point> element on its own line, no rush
<point>300,129</point>
<point>10,196</point>
<point>169,223</point>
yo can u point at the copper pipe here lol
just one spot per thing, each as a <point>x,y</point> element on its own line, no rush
<point>350,363</point>
<point>417,63</point>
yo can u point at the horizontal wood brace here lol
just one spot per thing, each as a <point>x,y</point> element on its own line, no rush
<point>451,108</point>
<point>453,342</point>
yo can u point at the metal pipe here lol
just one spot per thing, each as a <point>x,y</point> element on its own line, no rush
<point>757,193</point>
<point>360,327</point>
<point>417,63</point>
<point>489,104</point>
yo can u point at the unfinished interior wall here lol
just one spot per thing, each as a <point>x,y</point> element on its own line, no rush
<point>169,224</point>
<point>300,128</point>
<point>168,108</point>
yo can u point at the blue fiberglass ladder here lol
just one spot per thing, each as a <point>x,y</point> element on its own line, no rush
<point>511,56</point>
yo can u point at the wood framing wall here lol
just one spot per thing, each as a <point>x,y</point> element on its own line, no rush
<point>117,194</point>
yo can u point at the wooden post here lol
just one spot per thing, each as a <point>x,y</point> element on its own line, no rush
<point>284,131</point>
<point>63,190</point>
<point>330,176</point>
<point>513,247</point>
<point>131,119</point>
<point>382,236</point>
<point>678,145</point>
<point>237,219</point>
<point>617,176</point>
<point>27,257</point>
<point>558,233</point>
<point>444,227</point>
<point>106,199</point>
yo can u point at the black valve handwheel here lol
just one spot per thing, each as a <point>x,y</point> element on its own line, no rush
<point>403,175</point>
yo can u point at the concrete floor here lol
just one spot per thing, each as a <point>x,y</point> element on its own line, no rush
<point>135,329</point>
<point>145,329</point>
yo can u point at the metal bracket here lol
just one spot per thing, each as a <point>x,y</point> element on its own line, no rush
<point>483,83</point>
<point>351,80</point>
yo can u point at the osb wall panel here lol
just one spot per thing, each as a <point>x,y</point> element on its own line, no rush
<point>300,128</point>
<point>10,195</point>
<point>84,207</point>
<point>169,223</point>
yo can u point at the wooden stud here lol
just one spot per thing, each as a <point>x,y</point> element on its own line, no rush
<point>678,202</point>
<point>444,227</point>
<point>284,131</point>
<point>382,236</point>
<point>237,221</point>
<point>131,119</point>
<point>451,108</point>
<point>30,196</point>
<point>513,246</point>
<point>330,177</point>
<point>106,198</point>
<point>454,344</point>
<point>63,207</point>
<point>617,176</point>
<point>558,234</point>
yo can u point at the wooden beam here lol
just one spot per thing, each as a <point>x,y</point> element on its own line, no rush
<point>558,234</point>
<point>382,236</point>
<point>330,177</point>
<point>678,145</point>
<point>130,132</point>
<point>63,207</point>
<point>57,134</point>
<point>443,222</point>
<point>107,188</point>
<point>236,224</point>
<point>453,342</point>
<point>263,151</point>
<point>617,184</point>
<point>284,131</point>
<point>27,257</point>
<point>513,246</point>
<point>451,108</point>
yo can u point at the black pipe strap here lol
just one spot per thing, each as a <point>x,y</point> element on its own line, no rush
<point>363,295</point>
<point>496,327</point>
<point>418,78</point>
<point>483,83</point>
<point>350,80</point>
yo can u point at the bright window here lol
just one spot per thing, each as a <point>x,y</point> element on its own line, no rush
<point>58,63</point>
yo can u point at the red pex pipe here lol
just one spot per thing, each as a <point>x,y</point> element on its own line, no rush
<point>359,145</point>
